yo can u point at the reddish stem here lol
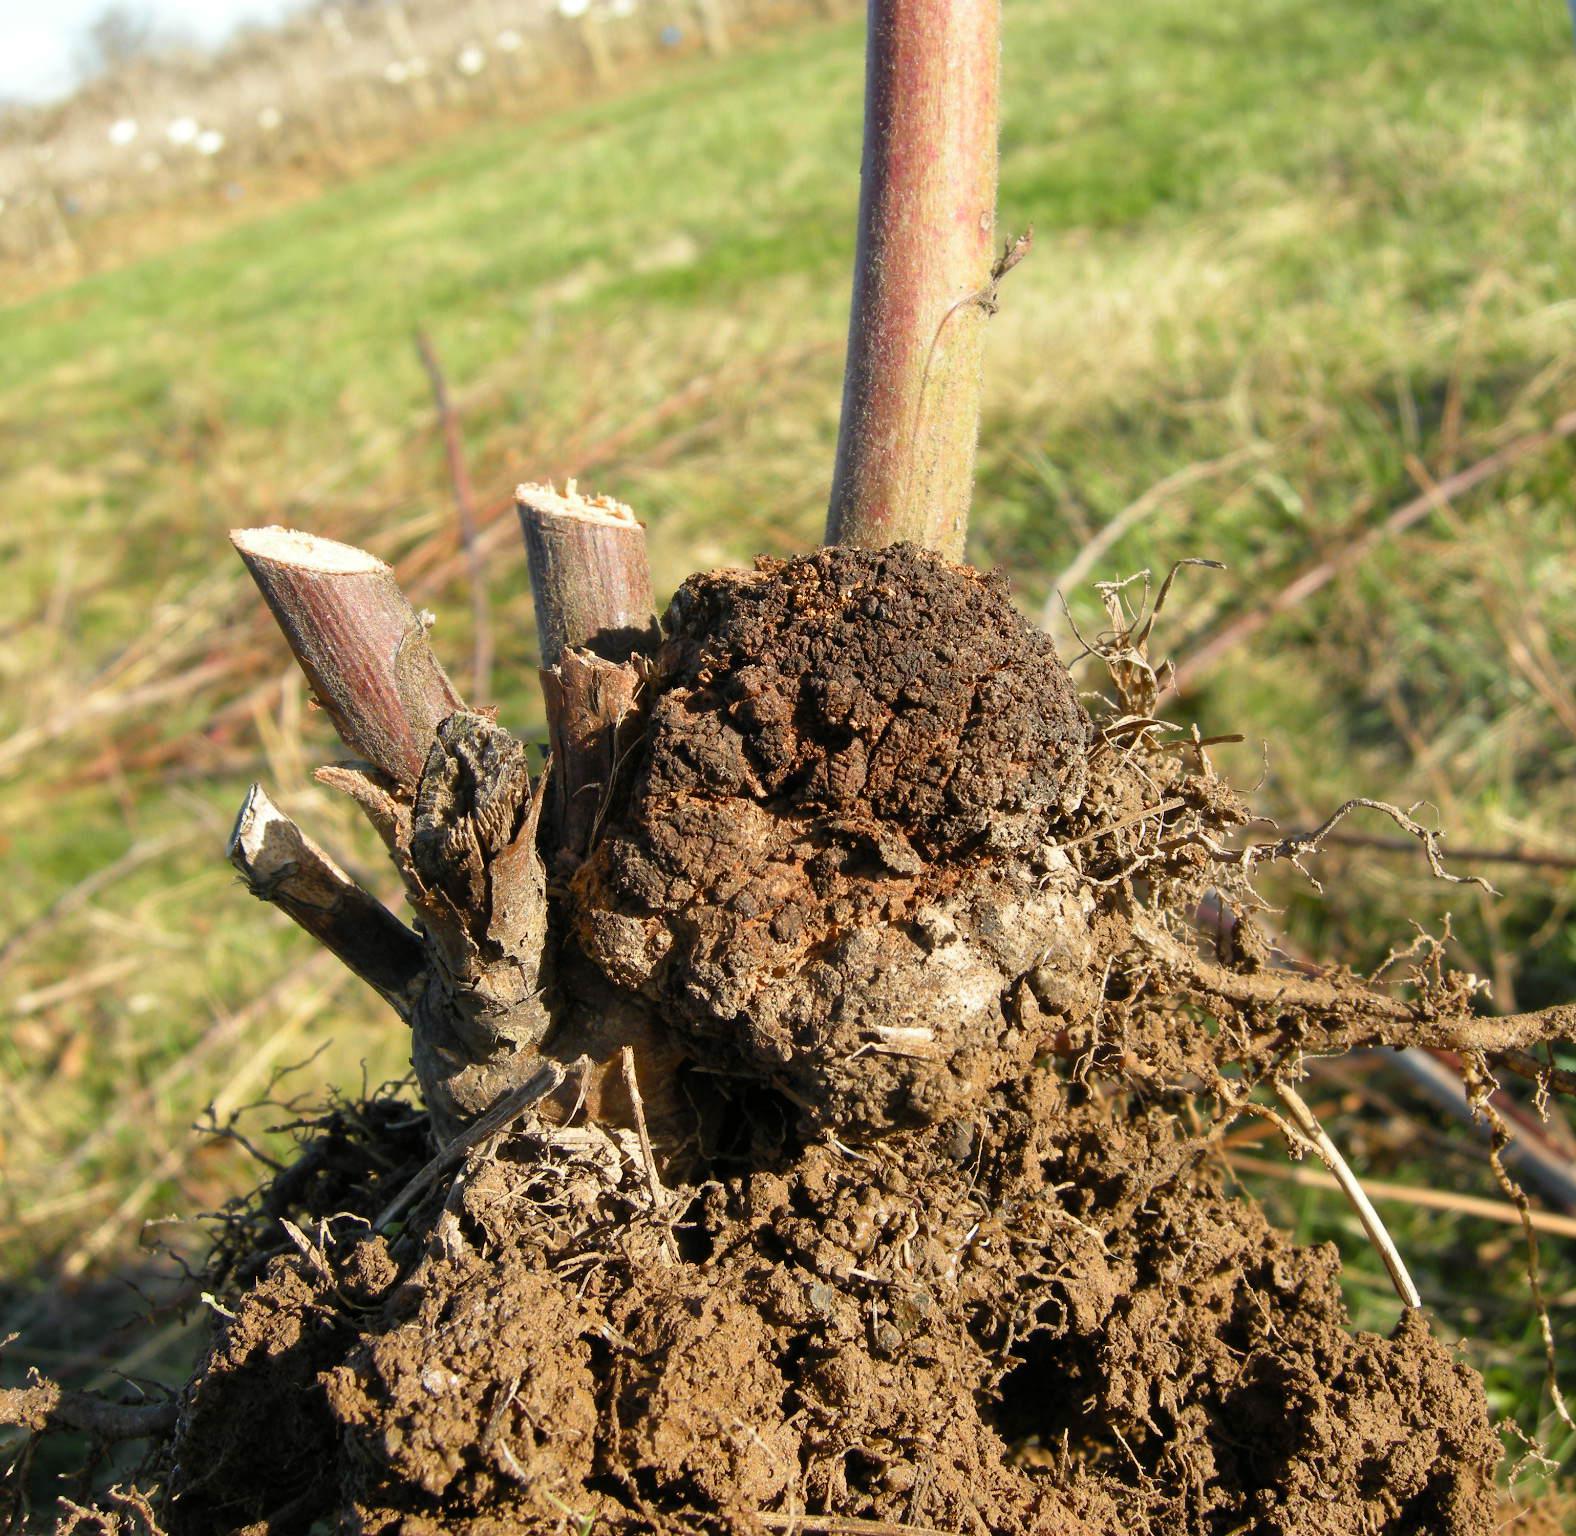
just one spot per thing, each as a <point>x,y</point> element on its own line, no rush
<point>589,574</point>
<point>923,276</point>
<point>362,647</point>
<point>465,513</point>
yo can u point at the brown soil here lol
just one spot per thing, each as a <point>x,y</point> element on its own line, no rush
<point>1046,1317</point>
<point>933,1233</point>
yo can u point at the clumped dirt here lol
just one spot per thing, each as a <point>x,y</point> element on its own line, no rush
<point>933,1232</point>
<point>1044,1318</point>
<point>834,862</point>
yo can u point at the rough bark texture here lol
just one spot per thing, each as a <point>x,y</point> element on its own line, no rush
<point>450,795</point>
<point>593,721</point>
<point>922,277</point>
<point>595,624</point>
<point>922,1224</point>
<point>479,885</point>
<point>282,865</point>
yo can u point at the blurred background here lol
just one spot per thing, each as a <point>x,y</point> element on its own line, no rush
<point>1302,300</point>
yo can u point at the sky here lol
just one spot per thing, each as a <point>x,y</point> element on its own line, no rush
<point>38,41</point>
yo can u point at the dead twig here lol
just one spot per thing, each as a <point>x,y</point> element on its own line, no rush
<point>1472,854</point>
<point>1074,573</point>
<point>1480,1086</point>
<point>497,1119</point>
<point>1322,572</point>
<point>659,1196</point>
<point>1295,845</point>
<point>1330,1155</point>
<point>283,866</point>
<point>465,513</point>
<point>46,1405</point>
<point>1337,1015</point>
<point>1410,1194</point>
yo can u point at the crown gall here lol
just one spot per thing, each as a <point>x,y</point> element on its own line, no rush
<point>833,871</point>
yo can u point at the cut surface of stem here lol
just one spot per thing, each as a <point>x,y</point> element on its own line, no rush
<point>922,276</point>
<point>361,645</point>
<point>589,574</point>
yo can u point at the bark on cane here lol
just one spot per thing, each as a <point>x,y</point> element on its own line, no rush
<point>482,894</point>
<point>594,719</point>
<point>922,277</point>
<point>589,574</point>
<point>363,648</point>
<point>450,794</point>
<point>592,586</point>
<point>282,865</point>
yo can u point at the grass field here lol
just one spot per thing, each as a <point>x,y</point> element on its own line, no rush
<point>1293,264</point>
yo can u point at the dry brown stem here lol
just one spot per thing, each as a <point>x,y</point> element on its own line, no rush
<point>378,799</point>
<point>1410,1194</point>
<point>46,1405</point>
<point>626,1061</point>
<point>593,720</point>
<point>1533,858</point>
<point>1480,1085</point>
<point>1330,1155</point>
<point>1320,574</point>
<point>465,513</point>
<point>1331,1014</point>
<point>362,647</point>
<point>283,866</point>
<point>497,1120</point>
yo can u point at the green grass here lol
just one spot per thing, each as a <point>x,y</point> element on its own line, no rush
<point>1339,240</point>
